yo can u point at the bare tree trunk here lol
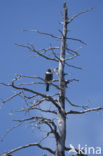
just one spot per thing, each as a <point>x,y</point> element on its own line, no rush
<point>60,149</point>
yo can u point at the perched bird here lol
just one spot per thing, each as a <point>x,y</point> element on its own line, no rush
<point>48,78</point>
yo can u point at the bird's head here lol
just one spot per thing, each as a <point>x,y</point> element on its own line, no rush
<point>49,70</point>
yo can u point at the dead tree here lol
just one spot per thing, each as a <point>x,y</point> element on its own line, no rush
<point>35,100</point>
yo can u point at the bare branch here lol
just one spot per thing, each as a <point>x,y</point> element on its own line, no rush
<point>78,14</point>
<point>30,97</point>
<point>31,145</point>
<point>47,111</point>
<point>36,51</point>
<point>85,111</point>
<point>43,120</point>
<point>50,48</point>
<point>4,84</point>
<point>54,54</point>
<point>48,133</point>
<point>9,130</point>
<point>31,77</point>
<point>32,83</point>
<point>11,97</point>
<point>71,80</point>
<point>70,58</point>
<point>73,51</point>
<point>78,40</point>
<point>48,98</point>
<point>72,66</point>
<point>74,105</point>
<point>43,33</point>
<point>35,77</point>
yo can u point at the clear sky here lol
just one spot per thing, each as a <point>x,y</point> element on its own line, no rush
<point>44,15</point>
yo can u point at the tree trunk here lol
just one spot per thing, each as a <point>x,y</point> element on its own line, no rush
<point>60,147</point>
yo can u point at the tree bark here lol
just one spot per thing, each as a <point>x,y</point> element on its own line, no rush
<point>60,147</point>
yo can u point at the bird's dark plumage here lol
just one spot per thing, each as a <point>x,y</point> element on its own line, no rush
<point>48,78</point>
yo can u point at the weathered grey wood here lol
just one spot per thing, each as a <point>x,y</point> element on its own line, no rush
<point>60,146</point>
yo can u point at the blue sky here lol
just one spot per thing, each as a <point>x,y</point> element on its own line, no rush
<point>45,16</point>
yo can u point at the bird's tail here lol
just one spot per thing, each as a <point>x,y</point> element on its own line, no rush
<point>47,87</point>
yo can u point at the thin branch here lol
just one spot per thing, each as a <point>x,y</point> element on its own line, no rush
<point>11,97</point>
<point>36,108</point>
<point>49,98</point>
<point>71,80</point>
<point>72,66</point>
<point>47,111</point>
<point>54,54</point>
<point>74,105</point>
<point>32,83</point>
<point>31,145</point>
<point>73,51</point>
<point>70,58</point>
<point>31,77</point>
<point>49,49</point>
<point>43,33</point>
<point>40,120</point>
<point>78,40</point>
<point>36,51</point>
<point>35,77</point>
<point>9,130</point>
<point>48,133</point>
<point>78,14</point>
<point>4,84</point>
<point>30,97</point>
<point>37,103</point>
<point>85,111</point>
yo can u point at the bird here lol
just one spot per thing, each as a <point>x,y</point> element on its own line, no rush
<point>48,78</point>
